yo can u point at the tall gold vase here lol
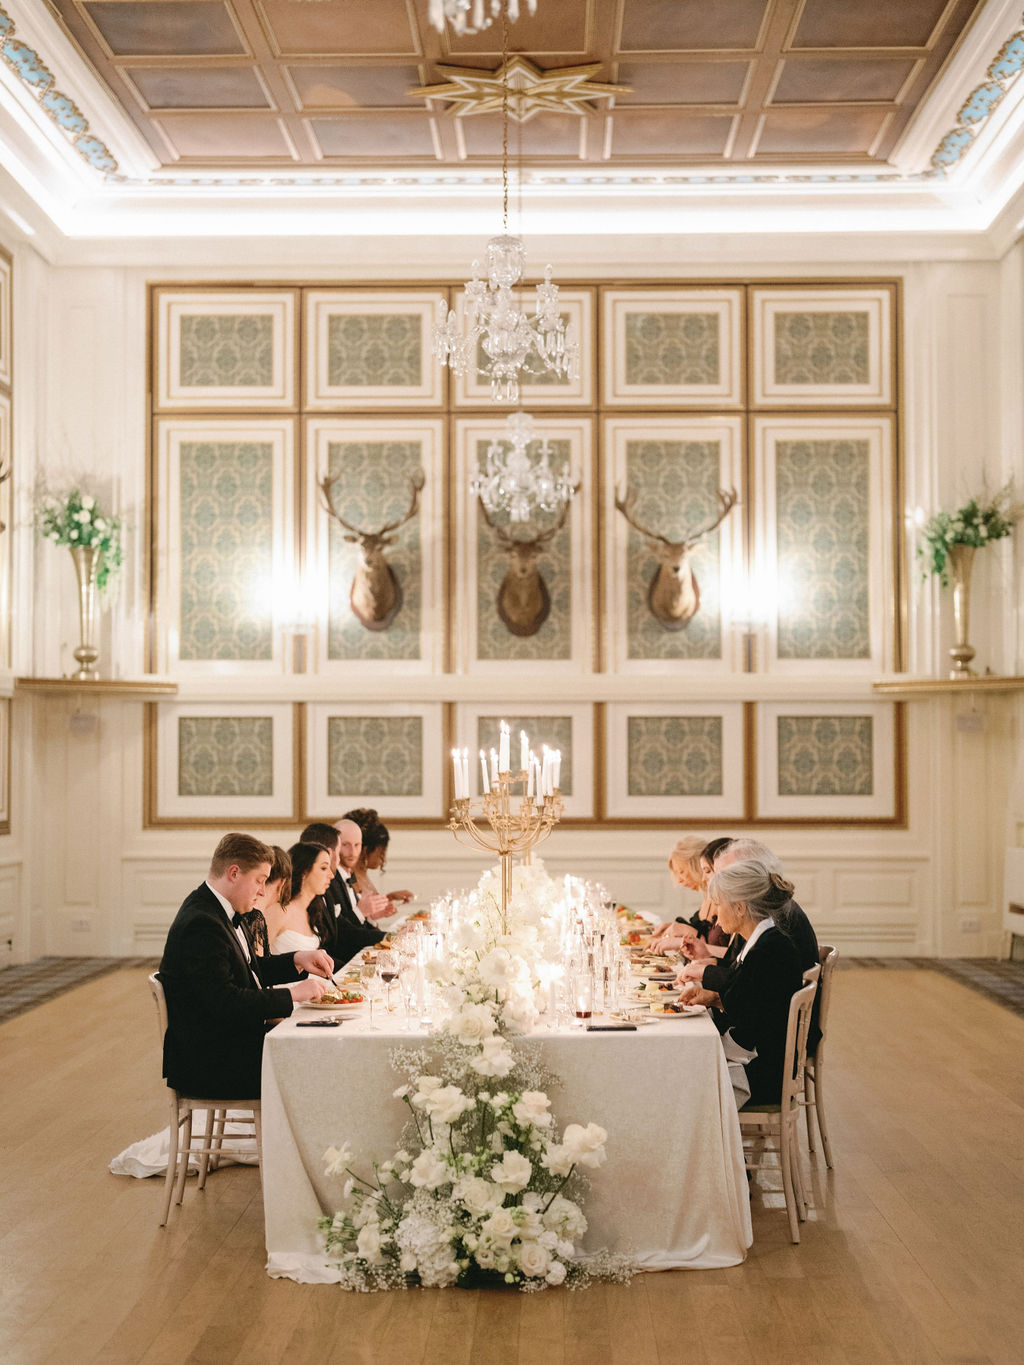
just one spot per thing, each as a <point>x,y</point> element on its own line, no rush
<point>86,559</point>
<point>961,559</point>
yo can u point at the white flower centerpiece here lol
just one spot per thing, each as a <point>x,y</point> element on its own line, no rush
<point>482,1188</point>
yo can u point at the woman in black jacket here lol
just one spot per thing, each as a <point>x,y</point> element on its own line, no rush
<point>755,999</point>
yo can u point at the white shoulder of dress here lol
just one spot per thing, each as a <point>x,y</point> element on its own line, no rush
<point>292,941</point>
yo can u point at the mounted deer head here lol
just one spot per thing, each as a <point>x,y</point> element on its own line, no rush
<point>674,593</point>
<point>376,594</point>
<point>524,602</point>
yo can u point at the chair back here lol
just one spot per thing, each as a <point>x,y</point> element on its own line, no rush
<point>811,974</point>
<point>160,1000</point>
<point>828,956</point>
<point>800,1006</point>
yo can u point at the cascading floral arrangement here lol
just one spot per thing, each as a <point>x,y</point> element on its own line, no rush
<point>482,1189</point>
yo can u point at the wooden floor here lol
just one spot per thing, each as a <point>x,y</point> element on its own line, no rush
<point>913,1252</point>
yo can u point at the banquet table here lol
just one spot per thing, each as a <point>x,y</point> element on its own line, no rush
<point>671,1195</point>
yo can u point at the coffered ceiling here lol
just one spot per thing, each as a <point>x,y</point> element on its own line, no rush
<point>328,83</point>
<point>220,117</point>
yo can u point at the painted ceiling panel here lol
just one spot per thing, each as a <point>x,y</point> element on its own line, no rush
<point>650,25</point>
<point>691,82</point>
<point>838,23</point>
<point>242,136</point>
<point>855,79</point>
<point>164,28</point>
<point>206,87</point>
<point>354,87</point>
<point>337,27</point>
<point>393,136</point>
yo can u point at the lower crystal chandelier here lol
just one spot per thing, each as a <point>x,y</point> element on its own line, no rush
<point>470,16</point>
<point>516,483</point>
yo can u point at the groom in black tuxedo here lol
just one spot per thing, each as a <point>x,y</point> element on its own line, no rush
<point>220,995</point>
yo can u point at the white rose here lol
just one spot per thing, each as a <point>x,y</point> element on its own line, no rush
<point>428,1171</point>
<point>586,1145</point>
<point>425,1086</point>
<point>557,1159</point>
<point>496,968</point>
<point>528,1222</point>
<point>556,1273</point>
<point>477,1195</point>
<point>532,1107</point>
<point>368,1244</point>
<point>472,1024</point>
<point>336,1159</point>
<point>88,502</point>
<point>500,1226</point>
<point>533,1259</point>
<point>495,1058</point>
<point>447,1104</point>
<point>401,1092</point>
<point>512,1173</point>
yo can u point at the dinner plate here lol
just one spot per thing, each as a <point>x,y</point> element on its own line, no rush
<point>353,1008</point>
<point>687,1012</point>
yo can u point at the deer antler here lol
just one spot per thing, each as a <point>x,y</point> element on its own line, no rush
<point>726,499</point>
<point>326,486</point>
<point>5,474</point>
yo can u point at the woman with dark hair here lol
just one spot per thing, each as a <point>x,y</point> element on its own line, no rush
<point>376,838</point>
<point>302,922</point>
<point>268,902</point>
<point>755,998</point>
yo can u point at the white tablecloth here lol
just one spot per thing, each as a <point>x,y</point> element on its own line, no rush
<point>672,1194</point>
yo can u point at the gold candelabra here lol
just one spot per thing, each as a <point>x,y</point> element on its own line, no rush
<point>511,832</point>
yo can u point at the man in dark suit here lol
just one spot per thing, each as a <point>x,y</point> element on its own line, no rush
<point>220,995</point>
<point>351,916</point>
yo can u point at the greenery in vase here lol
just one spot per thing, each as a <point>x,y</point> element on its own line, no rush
<point>978,522</point>
<point>72,519</point>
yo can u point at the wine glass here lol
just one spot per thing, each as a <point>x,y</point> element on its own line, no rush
<point>407,986</point>
<point>388,964</point>
<point>368,974</point>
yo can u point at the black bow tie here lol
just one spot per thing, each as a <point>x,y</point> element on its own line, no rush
<point>238,918</point>
<point>351,881</point>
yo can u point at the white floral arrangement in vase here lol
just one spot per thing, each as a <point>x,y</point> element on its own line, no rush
<point>482,1188</point>
<point>75,520</point>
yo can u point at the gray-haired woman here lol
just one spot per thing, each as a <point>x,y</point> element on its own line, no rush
<point>755,1000</point>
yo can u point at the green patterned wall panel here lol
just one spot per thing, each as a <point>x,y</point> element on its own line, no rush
<point>676,483</point>
<point>554,731</point>
<point>226,551</point>
<point>822,508</point>
<point>672,348</point>
<point>825,349</point>
<point>374,350</point>
<point>225,756</point>
<point>375,755</point>
<point>374,488</point>
<point>226,350</point>
<point>554,638</point>
<point>825,756</point>
<point>674,756</point>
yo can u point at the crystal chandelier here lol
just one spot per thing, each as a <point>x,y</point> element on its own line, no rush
<point>516,483</point>
<point>495,322</point>
<point>470,16</point>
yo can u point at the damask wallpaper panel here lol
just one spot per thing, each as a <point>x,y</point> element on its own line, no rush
<point>223,761</point>
<point>375,463</point>
<point>544,389</point>
<point>373,753</point>
<point>672,761</point>
<point>372,349</point>
<point>5,765</point>
<point>566,726</point>
<point>6,316</point>
<point>822,347</point>
<point>826,760</point>
<point>228,350</point>
<point>6,520</point>
<point>824,552</point>
<point>673,347</point>
<point>675,469</point>
<point>563,641</point>
<point>224,544</point>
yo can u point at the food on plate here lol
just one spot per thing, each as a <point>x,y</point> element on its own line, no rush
<point>342,997</point>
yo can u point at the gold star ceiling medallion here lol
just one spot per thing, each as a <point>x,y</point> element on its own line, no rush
<point>530,91</point>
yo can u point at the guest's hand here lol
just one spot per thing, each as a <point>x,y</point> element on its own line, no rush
<point>692,994</point>
<point>316,961</point>
<point>375,906</point>
<point>311,989</point>
<point>696,948</point>
<point>693,971</point>
<point>401,897</point>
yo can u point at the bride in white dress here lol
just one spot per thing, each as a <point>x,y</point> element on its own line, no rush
<point>290,926</point>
